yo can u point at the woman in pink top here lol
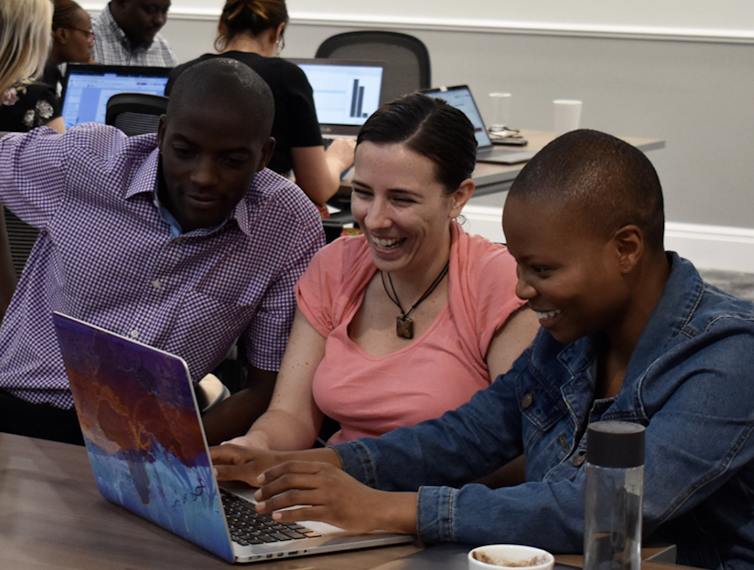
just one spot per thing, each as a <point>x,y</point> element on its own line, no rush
<point>408,320</point>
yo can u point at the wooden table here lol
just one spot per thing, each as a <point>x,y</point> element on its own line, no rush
<point>53,517</point>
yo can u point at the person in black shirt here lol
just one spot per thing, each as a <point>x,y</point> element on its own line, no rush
<point>251,31</point>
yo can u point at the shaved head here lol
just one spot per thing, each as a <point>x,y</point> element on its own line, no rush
<point>604,182</point>
<point>224,83</point>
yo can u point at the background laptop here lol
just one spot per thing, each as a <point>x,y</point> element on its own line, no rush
<point>460,97</point>
<point>87,88</point>
<point>346,92</point>
<point>146,445</point>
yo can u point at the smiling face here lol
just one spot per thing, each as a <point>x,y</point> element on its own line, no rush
<point>209,157</point>
<point>570,277</point>
<point>140,20</point>
<point>402,209</point>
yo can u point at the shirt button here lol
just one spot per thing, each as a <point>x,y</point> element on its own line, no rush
<point>156,284</point>
<point>134,334</point>
<point>527,400</point>
<point>578,460</point>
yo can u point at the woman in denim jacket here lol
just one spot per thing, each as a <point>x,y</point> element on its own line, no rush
<point>629,332</point>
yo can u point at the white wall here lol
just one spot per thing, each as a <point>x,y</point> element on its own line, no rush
<point>731,18</point>
<point>679,71</point>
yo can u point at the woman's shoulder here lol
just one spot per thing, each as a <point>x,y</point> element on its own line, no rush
<point>265,65</point>
<point>28,105</point>
<point>346,252</point>
<point>476,252</point>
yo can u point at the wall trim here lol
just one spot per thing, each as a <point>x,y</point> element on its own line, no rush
<point>647,33</point>
<point>719,248</point>
<point>654,33</point>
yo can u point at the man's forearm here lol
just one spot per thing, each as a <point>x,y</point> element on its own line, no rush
<point>233,417</point>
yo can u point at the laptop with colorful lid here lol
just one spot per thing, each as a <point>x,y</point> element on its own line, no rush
<point>144,436</point>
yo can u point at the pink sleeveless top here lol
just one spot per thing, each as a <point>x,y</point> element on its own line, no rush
<point>439,371</point>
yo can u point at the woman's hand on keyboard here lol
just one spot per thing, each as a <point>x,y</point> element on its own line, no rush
<point>240,463</point>
<point>323,492</point>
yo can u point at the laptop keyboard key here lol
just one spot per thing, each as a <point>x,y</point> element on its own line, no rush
<point>247,526</point>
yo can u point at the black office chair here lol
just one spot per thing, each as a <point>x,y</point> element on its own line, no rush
<point>407,66</point>
<point>21,238</point>
<point>135,113</point>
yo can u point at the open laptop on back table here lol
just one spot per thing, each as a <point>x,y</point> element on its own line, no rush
<point>88,87</point>
<point>461,98</point>
<point>346,93</point>
<point>147,448</point>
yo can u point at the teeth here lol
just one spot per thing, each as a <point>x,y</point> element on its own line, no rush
<point>386,243</point>
<point>547,314</point>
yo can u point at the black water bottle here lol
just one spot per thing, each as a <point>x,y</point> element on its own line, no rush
<point>613,497</point>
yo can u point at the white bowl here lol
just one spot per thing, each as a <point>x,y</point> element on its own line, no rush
<point>511,556</point>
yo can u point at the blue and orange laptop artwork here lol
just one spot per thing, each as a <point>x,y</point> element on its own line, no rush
<point>146,444</point>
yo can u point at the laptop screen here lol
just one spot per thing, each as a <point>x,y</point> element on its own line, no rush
<point>460,97</point>
<point>346,92</point>
<point>87,88</point>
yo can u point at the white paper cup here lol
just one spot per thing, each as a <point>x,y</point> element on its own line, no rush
<point>567,115</point>
<point>510,555</point>
<point>501,110</point>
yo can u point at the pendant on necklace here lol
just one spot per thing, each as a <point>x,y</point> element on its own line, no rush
<point>404,327</point>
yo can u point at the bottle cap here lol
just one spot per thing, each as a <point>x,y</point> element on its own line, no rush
<point>615,444</point>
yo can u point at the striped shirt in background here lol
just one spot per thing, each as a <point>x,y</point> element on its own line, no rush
<point>111,46</point>
<point>105,255</point>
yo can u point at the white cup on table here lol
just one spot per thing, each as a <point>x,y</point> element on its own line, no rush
<point>501,109</point>
<point>498,556</point>
<point>567,115</point>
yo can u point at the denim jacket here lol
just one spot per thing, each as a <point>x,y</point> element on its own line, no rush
<point>690,381</point>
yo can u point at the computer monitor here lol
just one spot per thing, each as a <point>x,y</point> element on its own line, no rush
<point>346,92</point>
<point>87,88</point>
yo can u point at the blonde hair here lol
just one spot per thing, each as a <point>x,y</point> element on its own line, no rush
<point>249,17</point>
<point>25,30</point>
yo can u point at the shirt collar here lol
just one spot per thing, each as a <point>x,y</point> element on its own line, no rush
<point>146,181</point>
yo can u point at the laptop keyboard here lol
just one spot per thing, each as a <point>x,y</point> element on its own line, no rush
<point>247,526</point>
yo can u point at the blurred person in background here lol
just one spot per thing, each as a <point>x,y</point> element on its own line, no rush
<point>128,34</point>
<point>251,31</point>
<point>29,104</point>
<point>24,41</point>
<point>72,41</point>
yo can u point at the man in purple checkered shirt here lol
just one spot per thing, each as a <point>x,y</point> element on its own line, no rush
<point>182,240</point>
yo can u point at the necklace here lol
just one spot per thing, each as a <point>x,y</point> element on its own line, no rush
<point>404,327</point>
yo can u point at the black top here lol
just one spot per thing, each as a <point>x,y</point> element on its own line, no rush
<point>295,124</point>
<point>26,106</point>
<point>52,75</point>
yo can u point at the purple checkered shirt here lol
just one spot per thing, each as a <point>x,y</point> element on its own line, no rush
<point>105,255</point>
